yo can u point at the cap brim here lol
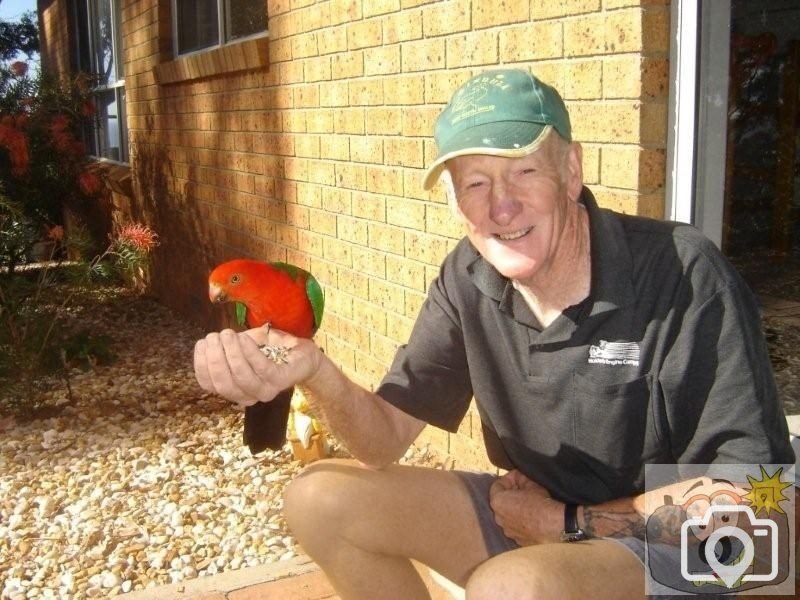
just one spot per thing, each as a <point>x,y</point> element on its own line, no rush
<point>510,139</point>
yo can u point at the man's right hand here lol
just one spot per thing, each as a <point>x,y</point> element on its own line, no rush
<point>231,364</point>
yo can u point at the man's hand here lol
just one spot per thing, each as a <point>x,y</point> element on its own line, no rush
<point>230,364</point>
<point>525,511</point>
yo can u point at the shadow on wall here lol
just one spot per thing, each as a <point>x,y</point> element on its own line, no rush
<point>185,255</point>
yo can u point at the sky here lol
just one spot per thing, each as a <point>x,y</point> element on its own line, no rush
<point>10,10</point>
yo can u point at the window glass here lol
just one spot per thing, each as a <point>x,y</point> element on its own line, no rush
<point>97,53</point>
<point>202,24</point>
<point>103,37</point>
<point>198,24</point>
<point>245,17</point>
<point>110,138</point>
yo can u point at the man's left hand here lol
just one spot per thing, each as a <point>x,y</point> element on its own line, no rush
<point>525,511</point>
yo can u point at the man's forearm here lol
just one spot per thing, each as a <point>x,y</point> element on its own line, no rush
<point>615,519</point>
<point>372,430</point>
<point>628,517</point>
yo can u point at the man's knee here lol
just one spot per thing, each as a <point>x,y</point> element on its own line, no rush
<point>318,500</point>
<point>510,576</point>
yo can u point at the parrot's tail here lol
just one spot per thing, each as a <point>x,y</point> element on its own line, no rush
<point>265,423</point>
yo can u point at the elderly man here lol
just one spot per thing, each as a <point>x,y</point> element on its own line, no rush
<point>592,342</point>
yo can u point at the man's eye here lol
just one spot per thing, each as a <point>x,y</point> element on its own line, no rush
<point>474,184</point>
<point>527,171</point>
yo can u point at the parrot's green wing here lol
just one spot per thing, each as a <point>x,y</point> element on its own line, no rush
<point>313,289</point>
<point>317,298</point>
<point>241,314</point>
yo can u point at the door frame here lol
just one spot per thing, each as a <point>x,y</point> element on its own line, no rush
<point>698,114</point>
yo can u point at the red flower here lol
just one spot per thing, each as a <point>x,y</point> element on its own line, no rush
<point>13,140</point>
<point>19,68</point>
<point>90,183</point>
<point>60,134</point>
<point>56,233</point>
<point>139,236</point>
<point>59,123</point>
<point>77,148</point>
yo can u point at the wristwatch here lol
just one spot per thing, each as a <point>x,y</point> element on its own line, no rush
<point>572,533</point>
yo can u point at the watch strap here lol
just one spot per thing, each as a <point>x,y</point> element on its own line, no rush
<point>572,533</point>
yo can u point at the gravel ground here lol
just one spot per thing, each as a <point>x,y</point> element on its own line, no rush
<point>144,481</point>
<point>779,277</point>
<point>784,341</point>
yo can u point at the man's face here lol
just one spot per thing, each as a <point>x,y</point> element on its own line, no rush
<point>515,209</point>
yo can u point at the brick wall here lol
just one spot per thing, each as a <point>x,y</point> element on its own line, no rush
<point>309,146</point>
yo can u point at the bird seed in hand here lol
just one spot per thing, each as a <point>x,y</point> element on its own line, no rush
<point>277,354</point>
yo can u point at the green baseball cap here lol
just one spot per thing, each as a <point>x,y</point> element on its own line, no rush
<point>505,112</point>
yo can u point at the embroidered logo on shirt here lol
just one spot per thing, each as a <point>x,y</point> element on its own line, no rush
<point>614,353</point>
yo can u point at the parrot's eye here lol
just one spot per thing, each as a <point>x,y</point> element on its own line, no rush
<point>235,278</point>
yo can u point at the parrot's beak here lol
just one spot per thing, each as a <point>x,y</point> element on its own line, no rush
<point>216,293</point>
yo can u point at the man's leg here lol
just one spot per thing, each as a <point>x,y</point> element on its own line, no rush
<point>362,526</point>
<point>591,569</point>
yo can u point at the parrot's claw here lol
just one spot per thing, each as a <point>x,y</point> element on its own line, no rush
<point>277,354</point>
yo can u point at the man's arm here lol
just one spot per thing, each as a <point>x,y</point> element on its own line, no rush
<point>528,514</point>
<point>373,430</point>
<point>230,364</point>
<point>627,517</point>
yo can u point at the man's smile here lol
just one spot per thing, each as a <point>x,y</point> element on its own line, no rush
<point>513,235</point>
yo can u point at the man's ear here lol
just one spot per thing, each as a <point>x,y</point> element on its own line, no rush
<point>574,165</point>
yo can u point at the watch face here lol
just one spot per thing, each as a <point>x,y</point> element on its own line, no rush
<point>573,536</point>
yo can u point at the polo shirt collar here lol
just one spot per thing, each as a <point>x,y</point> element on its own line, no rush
<point>612,266</point>
<point>611,287</point>
<point>500,289</point>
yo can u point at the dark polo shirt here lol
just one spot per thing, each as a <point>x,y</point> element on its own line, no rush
<point>664,362</point>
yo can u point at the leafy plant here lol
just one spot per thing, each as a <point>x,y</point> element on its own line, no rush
<point>44,164</point>
<point>37,348</point>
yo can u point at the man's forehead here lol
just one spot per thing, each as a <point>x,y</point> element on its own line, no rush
<point>458,164</point>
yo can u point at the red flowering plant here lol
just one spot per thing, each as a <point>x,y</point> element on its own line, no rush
<point>44,165</point>
<point>41,341</point>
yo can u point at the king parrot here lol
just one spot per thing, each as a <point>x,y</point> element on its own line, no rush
<point>279,295</point>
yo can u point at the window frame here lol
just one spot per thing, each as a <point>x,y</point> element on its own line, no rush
<point>223,27</point>
<point>118,84</point>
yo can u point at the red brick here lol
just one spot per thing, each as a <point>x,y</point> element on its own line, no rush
<point>310,586</point>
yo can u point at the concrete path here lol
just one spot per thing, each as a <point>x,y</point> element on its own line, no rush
<point>296,579</point>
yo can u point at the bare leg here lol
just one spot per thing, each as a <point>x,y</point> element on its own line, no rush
<point>592,569</point>
<point>362,526</point>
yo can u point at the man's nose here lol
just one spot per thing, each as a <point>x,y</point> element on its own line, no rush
<point>504,206</point>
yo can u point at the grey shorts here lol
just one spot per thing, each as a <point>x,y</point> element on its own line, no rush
<point>478,485</point>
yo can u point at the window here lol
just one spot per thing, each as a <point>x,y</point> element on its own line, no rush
<point>202,24</point>
<point>98,52</point>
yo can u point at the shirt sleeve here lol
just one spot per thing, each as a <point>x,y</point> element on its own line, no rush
<point>721,399</point>
<point>429,377</point>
